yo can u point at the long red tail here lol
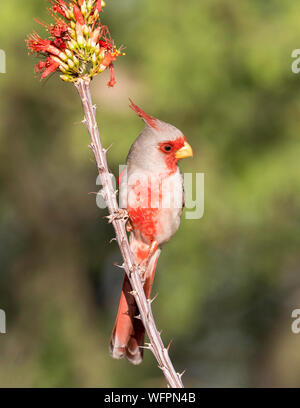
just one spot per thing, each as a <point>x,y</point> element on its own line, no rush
<point>129,333</point>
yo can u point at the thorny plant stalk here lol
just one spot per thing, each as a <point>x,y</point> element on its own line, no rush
<point>79,48</point>
<point>132,270</point>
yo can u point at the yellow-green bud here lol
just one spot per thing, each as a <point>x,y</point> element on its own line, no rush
<point>68,13</point>
<point>102,68</point>
<point>69,53</point>
<point>83,9</point>
<point>86,30</point>
<point>75,60</point>
<point>71,63</point>
<point>72,45</point>
<point>90,5</point>
<point>66,78</point>
<point>71,15</point>
<point>72,33</point>
<point>97,49</point>
<point>63,56</point>
<point>81,40</point>
<point>63,68</point>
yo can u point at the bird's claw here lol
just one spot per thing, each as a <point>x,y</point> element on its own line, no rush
<point>141,272</point>
<point>121,214</point>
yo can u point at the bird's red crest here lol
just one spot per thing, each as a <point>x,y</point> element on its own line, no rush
<point>150,120</point>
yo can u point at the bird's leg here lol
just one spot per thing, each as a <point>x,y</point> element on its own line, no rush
<point>129,226</point>
<point>144,264</point>
<point>152,249</point>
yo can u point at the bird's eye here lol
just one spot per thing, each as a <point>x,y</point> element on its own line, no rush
<point>167,148</point>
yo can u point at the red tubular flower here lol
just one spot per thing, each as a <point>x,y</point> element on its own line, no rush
<point>59,30</point>
<point>59,43</point>
<point>78,15</point>
<point>41,65</point>
<point>108,59</point>
<point>49,66</point>
<point>105,44</point>
<point>36,44</point>
<point>112,80</point>
<point>59,7</point>
<point>53,50</point>
<point>59,10</point>
<point>99,6</point>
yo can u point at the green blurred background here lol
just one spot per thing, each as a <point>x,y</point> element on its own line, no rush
<point>220,70</point>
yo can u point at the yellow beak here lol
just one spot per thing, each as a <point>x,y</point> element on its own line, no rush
<point>185,151</point>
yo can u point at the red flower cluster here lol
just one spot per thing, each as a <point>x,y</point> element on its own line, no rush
<point>79,45</point>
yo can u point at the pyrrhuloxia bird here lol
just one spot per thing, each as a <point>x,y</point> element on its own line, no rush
<point>151,189</point>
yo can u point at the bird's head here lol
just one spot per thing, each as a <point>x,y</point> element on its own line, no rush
<point>159,146</point>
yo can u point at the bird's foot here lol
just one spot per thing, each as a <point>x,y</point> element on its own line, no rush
<point>141,269</point>
<point>121,214</point>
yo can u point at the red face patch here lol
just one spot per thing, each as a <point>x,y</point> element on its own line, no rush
<point>169,148</point>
